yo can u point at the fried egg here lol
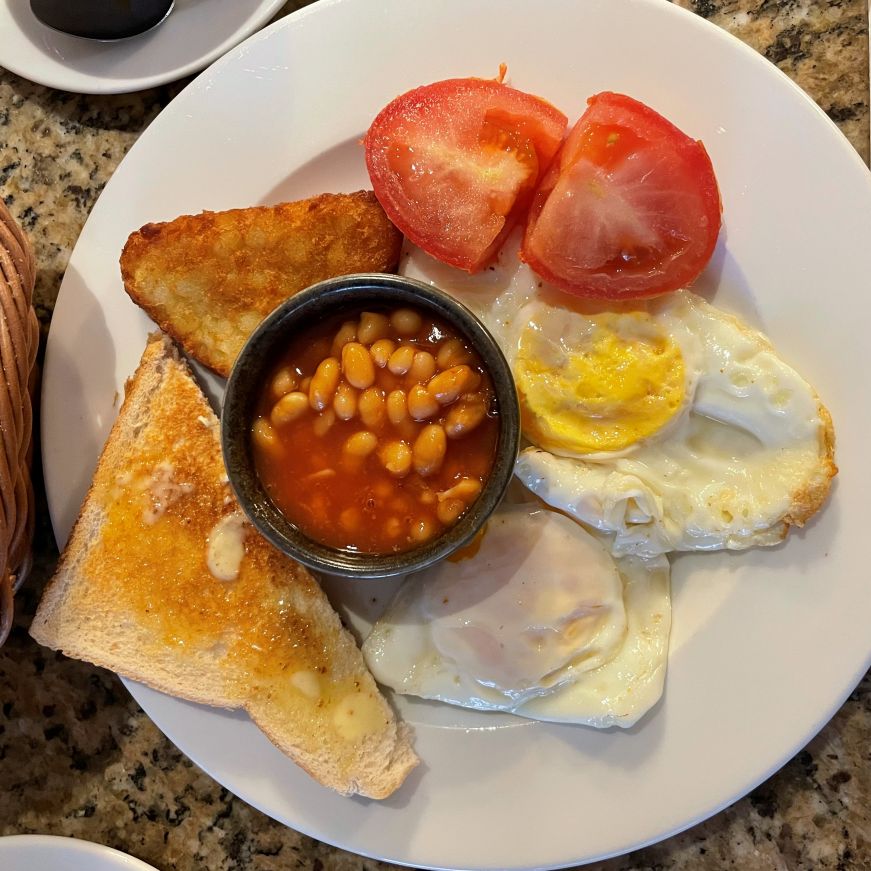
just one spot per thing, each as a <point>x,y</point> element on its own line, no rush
<point>666,424</point>
<point>538,620</point>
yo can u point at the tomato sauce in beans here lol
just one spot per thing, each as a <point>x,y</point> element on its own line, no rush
<point>377,431</point>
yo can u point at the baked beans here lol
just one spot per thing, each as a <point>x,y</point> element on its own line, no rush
<point>376,432</point>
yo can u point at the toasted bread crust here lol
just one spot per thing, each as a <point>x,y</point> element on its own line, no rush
<point>133,593</point>
<point>208,280</point>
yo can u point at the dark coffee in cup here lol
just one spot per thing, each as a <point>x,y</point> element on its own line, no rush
<point>101,19</point>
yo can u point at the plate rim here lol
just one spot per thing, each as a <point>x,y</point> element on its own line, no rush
<point>72,844</point>
<point>852,680</point>
<point>104,86</point>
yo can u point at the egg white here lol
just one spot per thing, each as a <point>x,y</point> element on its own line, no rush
<point>749,454</point>
<point>540,622</point>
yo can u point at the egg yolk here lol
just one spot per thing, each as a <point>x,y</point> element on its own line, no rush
<point>597,383</point>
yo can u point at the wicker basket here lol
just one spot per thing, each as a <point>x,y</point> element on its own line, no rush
<point>19,338</point>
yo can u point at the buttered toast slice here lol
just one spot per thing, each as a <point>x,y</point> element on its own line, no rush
<point>164,581</point>
<point>208,280</point>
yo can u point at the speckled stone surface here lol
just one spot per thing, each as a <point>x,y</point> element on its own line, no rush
<point>77,755</point>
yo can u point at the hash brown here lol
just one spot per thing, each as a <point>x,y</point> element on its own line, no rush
<point>208,280</point>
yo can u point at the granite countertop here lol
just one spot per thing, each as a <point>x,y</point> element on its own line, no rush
<point>77,755</point>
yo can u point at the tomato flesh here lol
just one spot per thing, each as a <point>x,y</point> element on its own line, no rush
<point>629,208</point>
<point>455,164</point>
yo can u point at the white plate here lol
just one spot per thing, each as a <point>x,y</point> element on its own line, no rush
<point>195,33</point>
<point>51,853</point>
<point>766,644</point>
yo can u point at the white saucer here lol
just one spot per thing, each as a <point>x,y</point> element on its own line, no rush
<point>195,33</point>
<point>38,852</point>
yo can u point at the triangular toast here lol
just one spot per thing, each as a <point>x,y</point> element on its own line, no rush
<point>138,590</point>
